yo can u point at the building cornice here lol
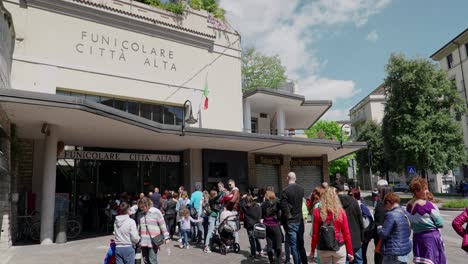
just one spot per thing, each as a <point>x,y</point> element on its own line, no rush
<point>104,14</point>
<point>439,54</point>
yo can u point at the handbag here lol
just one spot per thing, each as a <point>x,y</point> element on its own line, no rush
<point>260,231</point>
<point>378,247</point>
<point>157,240</point>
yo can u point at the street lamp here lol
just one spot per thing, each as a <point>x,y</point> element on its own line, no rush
<point>190,120</point>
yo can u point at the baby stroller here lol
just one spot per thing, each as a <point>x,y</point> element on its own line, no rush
<point>223,238</point>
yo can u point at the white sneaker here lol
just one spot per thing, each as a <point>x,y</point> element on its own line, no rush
<point>207,250</point>
<point>181,246</point>
<point>179,240</point>
<point>187,247</point>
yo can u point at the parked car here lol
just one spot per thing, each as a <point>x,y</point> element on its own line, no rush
<point>401,187</point>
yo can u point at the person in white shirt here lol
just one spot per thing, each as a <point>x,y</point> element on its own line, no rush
<point>126,236</point>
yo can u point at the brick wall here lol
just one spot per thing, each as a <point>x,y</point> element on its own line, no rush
<point>252,172</point>
<point>25,165</point>
<point>326,176</point>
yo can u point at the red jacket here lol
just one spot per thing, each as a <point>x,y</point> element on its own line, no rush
<point>457,225</point>
<point>341,229</point>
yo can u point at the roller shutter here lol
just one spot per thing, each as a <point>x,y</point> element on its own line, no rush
<point>308,177</point>
<point>267,175</point>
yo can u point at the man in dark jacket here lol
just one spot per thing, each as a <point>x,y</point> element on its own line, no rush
<point>356,226</point>
<point>156,198</point>
<point>291,207</point>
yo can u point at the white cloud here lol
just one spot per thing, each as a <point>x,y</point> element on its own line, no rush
<point>336,115</point>
<point>290,29</point>
<point>373,36</point>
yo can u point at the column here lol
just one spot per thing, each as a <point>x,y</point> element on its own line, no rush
<point>280,122</point>
<point>48,187</point>
<point>247,116</point>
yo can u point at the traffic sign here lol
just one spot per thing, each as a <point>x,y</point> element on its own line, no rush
<point>411,170</point>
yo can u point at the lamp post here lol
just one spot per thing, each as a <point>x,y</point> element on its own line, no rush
<point>190,120</point>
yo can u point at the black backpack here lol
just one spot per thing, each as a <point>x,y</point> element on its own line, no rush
<point>327,239</point>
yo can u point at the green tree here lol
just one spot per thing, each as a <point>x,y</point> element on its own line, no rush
<point>371,132</point>
<point>420,125</point>
<point>331,130</point>
<point>260,71</point>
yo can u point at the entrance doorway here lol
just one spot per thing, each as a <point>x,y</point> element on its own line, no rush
<point>94,185</point>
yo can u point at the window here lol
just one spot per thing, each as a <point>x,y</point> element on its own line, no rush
<point>120,104</point>
<point>93,98</point>
<point>133,108</point>
<point>158,114</point>
<point>466,50</point>
<point>146,111</point>
<point>107,101</point>
<point>179,115</point>
<point>450,61</point>
<point>169,115</point>
<point>254,125</point>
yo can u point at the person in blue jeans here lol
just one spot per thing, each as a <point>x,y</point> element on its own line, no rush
<point>126,236</point>
<point>291,206</point>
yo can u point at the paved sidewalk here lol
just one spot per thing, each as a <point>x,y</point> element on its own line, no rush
<point>93,250</point>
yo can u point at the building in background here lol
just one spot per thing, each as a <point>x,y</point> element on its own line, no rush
<point>7,187</point>
<point>101,111</point>
<point>453,58</point>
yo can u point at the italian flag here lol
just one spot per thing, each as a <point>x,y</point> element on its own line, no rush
<point>205,95</point>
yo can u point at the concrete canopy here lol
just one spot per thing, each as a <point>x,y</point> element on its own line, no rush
<point>81,122</point>
<point>299,113</point>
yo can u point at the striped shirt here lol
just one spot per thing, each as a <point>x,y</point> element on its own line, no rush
<point>424,215</point>
<point>152,221</point>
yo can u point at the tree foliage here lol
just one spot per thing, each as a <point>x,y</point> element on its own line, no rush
<point>420,125</point>
<point>371,132</point>
<point>178,7</point>
<point>331,130</point>
<point>260,71</point>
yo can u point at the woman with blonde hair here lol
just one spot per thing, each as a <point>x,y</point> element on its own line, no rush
<point>331,214</point>
<point>271,215</point>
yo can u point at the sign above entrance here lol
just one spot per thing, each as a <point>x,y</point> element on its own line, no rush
<point>269,159</point>
<point>306,161</point>
<point>94,155</point>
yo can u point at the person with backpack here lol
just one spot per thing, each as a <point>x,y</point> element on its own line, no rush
<point>368,223</point>
<point>331,234</point>
<point>395,232</point>
<point>314,203</point>
<point>252,215</point>
<point>271,215</point>
<point>354,215</point>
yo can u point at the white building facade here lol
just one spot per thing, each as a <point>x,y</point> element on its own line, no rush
<point>453,58</point>
<point>98,98</point>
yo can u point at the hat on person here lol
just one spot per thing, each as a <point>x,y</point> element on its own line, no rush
<point>382,183</point>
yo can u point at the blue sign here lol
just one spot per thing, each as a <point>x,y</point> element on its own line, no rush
<point>411,170</point>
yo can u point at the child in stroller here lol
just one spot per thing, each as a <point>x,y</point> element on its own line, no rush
<point>223,237</point>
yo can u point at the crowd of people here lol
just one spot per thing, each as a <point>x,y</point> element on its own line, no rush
<point>342,226</point>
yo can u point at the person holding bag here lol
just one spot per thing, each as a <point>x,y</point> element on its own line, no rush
<point>153,231</point>
<point>395,232</point>
<point>457,225</point>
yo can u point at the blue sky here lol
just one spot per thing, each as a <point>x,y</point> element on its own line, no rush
<point>337,49</point>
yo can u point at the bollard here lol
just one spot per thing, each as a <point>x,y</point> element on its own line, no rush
<point>61,230</point>
<point>138,255</point>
